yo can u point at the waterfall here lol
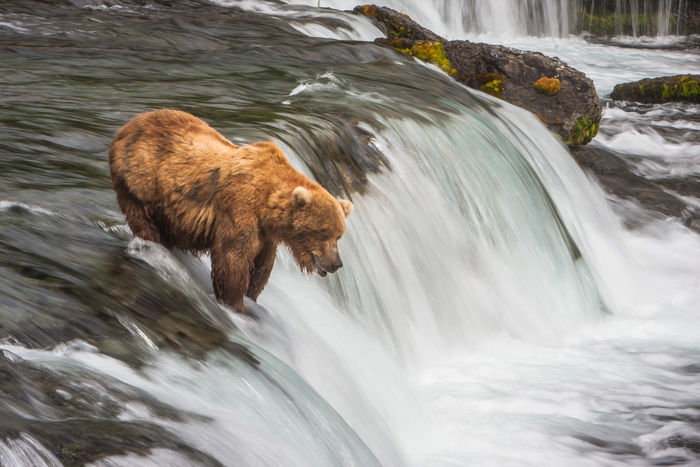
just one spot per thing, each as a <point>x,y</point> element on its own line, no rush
<point>632,17</point>
<point>559,18</point>
<point>482,227</point>
<point>492,311</point>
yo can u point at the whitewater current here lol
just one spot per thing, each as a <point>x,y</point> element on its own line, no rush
<point>492,310</point>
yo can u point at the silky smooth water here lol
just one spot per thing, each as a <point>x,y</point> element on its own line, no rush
<point>545,18</point>
<point>492,311</point>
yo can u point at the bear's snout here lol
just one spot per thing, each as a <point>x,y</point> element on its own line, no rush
<point>325,264</point>
<point>336,265</point>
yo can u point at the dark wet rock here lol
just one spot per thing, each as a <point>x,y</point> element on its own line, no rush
<point>347,155</point>
<point>692,369</point>
<point>79,418</point>
<point>614,447</point>
<point>573,112</point>
<point>82,441</point>
<point>84,287</point>
<point>684,186</point>
<point>678,88</point>
<point>684,442</point>
<point>397,25</point>
<point>617,176</point>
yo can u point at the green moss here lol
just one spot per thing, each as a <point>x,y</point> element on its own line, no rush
<point>432,52</point>
<point>599,25</point>
<point>495,87</point>
<point>584,131</point>
<point>680,88</point>
<point>490,83</point>
<point>690,89</point>
<point>667,92</point>
<point>606,24</point>
<point>684,88</point>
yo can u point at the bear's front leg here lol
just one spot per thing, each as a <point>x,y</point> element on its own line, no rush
<point>231,265</point>
<point>262,267</point>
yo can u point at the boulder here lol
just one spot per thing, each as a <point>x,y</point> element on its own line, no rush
<point>397,25</point>
<point>679,88</point>
<point>563,98</point>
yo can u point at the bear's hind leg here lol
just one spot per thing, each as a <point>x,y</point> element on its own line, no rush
<point>136,215</point>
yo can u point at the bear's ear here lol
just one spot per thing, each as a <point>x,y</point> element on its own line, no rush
<point>346,205</point>
<point>301,196</point>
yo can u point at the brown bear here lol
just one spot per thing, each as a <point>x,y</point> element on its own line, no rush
<point>180,183</point>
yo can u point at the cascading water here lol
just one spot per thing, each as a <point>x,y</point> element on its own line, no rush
<point>491,310</point>
<point>635,17</point>
<point>559,18</point>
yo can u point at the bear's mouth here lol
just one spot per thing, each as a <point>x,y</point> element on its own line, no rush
<point>317,265</point>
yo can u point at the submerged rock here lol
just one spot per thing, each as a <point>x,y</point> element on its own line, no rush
<point>679,88</point>
<point>81,417</point>
<point>619,178</point>
<point>563,98</point>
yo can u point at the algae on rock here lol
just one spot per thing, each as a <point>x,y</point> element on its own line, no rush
<point>563,98</point>
<point>583,132</point>
<point>678,88</point>
<point>431,52</point>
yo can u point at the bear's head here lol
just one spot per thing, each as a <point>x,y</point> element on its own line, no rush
<point>315,222</point>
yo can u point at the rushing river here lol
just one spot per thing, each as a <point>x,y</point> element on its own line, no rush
<point>492,310</point>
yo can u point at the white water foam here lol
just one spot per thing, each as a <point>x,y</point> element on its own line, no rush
<point>24,450</point>
<point>310,21</point>
<point>671,159</point>
<point>245,416</point>
<point>6,205</point>
<point>156,458</point>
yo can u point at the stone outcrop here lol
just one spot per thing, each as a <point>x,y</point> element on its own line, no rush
<point>563,98</point>
<point>679,88</point>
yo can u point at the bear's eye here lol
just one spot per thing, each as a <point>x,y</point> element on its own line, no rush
<point>325,236</point>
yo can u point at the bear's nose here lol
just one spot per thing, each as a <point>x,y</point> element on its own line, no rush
<point>337,265</point>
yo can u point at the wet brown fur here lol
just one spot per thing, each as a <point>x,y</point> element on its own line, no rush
<point>180,183</point>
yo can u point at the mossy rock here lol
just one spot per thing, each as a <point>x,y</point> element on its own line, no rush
<point>679,88</point>
<point>367,10</point>
<point>397,25</point>
<point>568,104</point>
<point>491,83</point>
<point>431,52</point>
<point>547,86</point>
<point>583,132</point>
